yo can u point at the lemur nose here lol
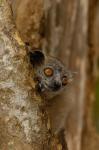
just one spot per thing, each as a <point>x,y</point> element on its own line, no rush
<point>56,86</point>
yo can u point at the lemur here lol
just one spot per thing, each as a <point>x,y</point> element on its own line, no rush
<point>51,78</point>
<point>50,75</point>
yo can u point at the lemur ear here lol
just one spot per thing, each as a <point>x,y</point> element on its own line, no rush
<point>72,76</point>
<point>36,58</point>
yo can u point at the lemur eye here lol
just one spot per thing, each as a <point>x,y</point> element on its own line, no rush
<point>48,72</point>
<point>64,80</point>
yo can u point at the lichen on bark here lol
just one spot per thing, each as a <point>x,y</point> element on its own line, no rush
<point>21,125</point>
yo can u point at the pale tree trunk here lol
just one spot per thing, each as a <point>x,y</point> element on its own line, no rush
<point>22,122</point>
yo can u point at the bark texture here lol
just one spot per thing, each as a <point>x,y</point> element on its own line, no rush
<point>28,18</point>
<point>22,122</point>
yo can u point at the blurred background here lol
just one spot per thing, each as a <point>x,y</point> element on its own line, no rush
<point>72,34</point>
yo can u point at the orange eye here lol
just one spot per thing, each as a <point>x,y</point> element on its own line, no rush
<point>48,72</point>
<point>64,80</point>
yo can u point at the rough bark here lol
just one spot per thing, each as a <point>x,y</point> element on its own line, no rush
<point>28,18</point>
<point>22,122</point>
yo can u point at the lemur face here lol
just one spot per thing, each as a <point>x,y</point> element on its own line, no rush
<point>50,74</point>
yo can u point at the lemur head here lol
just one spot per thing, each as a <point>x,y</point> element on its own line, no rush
<point>51,75</point>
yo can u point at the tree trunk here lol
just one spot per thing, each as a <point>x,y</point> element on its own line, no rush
<point>22,122</point>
